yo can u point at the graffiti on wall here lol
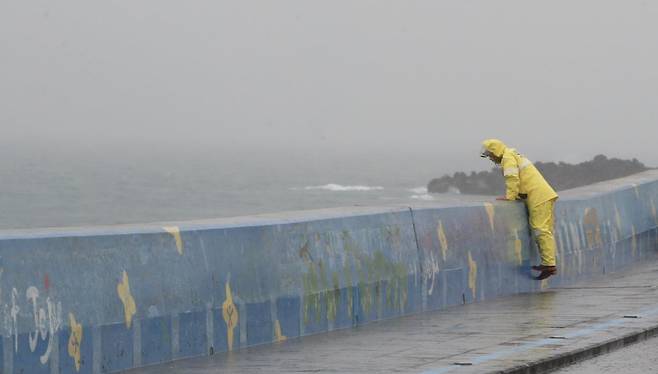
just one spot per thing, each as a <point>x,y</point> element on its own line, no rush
<point>472,274</point>
<point>46,320</point>
<point>322,284</point>
<point>518,248</point>
<point>592,228</point>
<point>175,232</point>
<point>129,306</point>
<point>278,334</point>
<point>75,341</point>
<point>443,241</point>
<point>230,314</point>
<point>430,270</point>
<point>490,214</point>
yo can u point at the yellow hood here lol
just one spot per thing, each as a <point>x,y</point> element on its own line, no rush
<point>495,146</point>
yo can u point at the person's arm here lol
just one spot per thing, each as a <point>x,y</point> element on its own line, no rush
<point>512,181</point>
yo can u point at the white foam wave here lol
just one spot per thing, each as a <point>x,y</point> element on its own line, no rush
<point>418,190</point>
<point>341,188</point>
<point>423,197</point>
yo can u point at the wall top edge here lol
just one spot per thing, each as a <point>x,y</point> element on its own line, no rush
<point>288,217</point>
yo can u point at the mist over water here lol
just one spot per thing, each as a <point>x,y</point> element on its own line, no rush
<point>46,187</point>
<point>120,112</point>
<point>64,184</point>
<point>74,185</point>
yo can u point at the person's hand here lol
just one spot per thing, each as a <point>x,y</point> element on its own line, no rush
<point>502,198</point>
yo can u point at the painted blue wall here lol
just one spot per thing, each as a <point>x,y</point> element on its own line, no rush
<point>104,299</point>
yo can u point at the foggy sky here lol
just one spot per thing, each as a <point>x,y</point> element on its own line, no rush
<point>559,80</point>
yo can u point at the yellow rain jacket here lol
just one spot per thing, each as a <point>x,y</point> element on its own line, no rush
<point>521,176</point>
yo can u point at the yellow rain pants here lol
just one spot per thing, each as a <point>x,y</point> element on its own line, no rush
<point>541,219</point>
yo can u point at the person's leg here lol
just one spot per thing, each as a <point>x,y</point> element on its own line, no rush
<point>541,221</point>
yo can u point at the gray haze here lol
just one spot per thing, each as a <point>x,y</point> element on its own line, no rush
<point>560,80</point>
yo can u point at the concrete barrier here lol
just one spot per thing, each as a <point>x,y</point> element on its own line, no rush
<point>104,299</point>
<point>471,253</point>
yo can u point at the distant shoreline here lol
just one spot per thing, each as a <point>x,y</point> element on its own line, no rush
<point>561,176</point>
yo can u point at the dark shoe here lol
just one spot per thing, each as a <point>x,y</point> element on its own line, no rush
<point>546,272</point>
<point>542,267</point>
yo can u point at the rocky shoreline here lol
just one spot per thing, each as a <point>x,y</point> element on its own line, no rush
<point>560,175</point>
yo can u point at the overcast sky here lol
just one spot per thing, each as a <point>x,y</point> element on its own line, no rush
<point>560,80</point>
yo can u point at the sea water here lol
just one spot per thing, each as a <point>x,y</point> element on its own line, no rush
<point>80,186</point>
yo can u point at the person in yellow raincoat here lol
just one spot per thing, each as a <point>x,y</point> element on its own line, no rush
<point>524,182</point>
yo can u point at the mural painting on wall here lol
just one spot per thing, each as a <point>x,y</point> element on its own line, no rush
<point>431,257</point>
<point>230,314</point>
<point>316,283</point>
<point>322,285</point>
<point>47,322</point>
<point>311,284</point>
<point>129,306</point>
<point>333,297</point>
<point>378,266</point>
<point>46,318</point>
<point>75,341</point>
<point>592,228</point>
<point>430,270</point>
<point>618,221</point>
<point>490,214</point>
<point>443,241</point>
<point>472,275</point>
<point>278,334</point>
<point>175,232</point>
<point>518,248</point>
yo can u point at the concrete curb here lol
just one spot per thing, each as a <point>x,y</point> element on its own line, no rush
<point>562,360</point>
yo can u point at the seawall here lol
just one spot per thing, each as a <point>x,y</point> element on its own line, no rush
<point>104,299</point>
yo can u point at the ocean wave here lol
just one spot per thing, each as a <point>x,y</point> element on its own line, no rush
<point>418,190</point>
<point>422,197</point>
<point>340,188</point>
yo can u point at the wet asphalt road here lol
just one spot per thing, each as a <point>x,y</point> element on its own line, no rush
<point>640,358</point>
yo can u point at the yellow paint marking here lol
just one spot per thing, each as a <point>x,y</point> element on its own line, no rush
<point>175,232</point>
<point>75,341</point>
<point>472,274</point>
<point>442,240</point>
<point>278,335</point>
<point>129,307</point>
<point>518,246</point>
<point>230,313</point>
<point>490,212</point>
